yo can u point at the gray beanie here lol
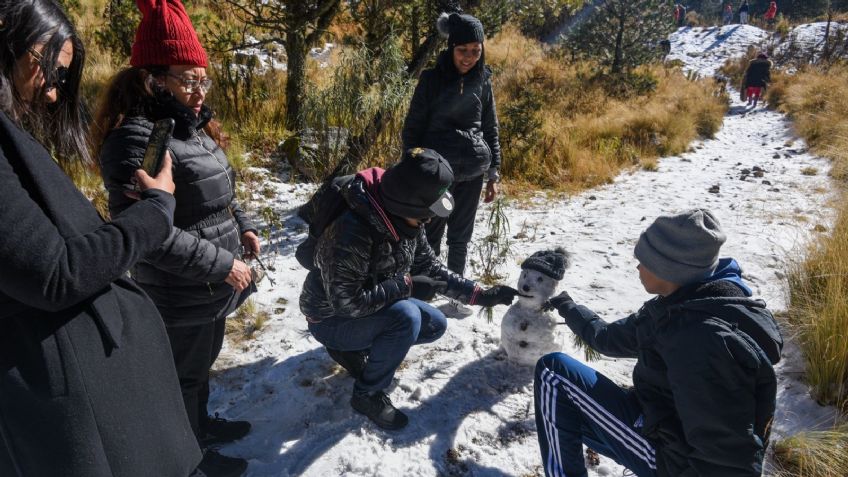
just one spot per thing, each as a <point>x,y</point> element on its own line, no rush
<point>681,248</point>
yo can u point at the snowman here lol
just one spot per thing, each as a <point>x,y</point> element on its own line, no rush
<point>528,332</point>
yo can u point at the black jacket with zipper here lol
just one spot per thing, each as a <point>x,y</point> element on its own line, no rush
<point>185,276</point>
<point>455,115</point>
<point>363,262</point>
<point>704,375</point>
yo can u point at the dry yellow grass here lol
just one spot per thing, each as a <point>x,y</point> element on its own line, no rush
<point>817,102</point>
<point>819,313</point>
<point>583,135</point>
<point>813,454</point>
<point>248,320</point>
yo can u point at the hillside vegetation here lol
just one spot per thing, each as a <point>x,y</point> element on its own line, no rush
<point>563,126</point>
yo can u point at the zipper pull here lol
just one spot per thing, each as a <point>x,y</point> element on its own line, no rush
<point>461,85</point>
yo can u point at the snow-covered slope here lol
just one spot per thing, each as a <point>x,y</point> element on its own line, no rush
<point>704,50</point>
<point>471,413</point>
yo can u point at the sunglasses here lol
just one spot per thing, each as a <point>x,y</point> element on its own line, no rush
<point>193,85</point>
<point>61,73</point>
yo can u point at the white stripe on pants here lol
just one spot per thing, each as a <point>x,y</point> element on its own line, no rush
<point>618,430</point>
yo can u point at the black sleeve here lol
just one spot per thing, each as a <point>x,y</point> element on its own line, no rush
<point>48,271</point>
<point>181,253</point>
<point>343,255</point>
<point>616,339</point>
<point>415,124</point>
<point>243,221</point>
<point>426,263</point>
<point>490,124</point>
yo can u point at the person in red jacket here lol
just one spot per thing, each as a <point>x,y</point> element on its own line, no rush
<point>771,13</point>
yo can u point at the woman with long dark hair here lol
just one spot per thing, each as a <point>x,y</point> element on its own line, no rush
<point>87,382</point>
<point>453,112</point>
<point>197,277</point>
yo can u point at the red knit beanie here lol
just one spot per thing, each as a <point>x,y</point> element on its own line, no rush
<point>166,36</point>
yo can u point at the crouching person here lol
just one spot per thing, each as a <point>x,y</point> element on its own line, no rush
<point>704,388</point>
<point>374,270</point>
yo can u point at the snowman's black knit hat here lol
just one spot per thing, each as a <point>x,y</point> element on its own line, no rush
<point>549,262</point>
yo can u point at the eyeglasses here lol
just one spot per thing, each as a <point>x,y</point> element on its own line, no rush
<point>193,85</point>
<point>61,73</point>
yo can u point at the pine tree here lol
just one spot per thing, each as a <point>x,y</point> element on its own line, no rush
<point>623,34</point>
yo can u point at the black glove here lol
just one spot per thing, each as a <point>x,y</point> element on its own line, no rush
<point>497,295</point>
<point>425,288</point>
<point>558,303</point>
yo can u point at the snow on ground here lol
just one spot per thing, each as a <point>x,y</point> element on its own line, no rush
<point>810,36</point>
<point>273,55</point>
<point>471,413</point>
<point>704,50</point>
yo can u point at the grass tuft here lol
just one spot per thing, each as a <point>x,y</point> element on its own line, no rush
<point>818,313</point>
<point>813,454</point>
<point>249,319</point>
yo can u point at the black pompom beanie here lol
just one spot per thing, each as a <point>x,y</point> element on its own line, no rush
<point>460,28</point>
<point>551,263</point>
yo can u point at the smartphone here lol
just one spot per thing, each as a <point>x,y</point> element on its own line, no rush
<point>157,144</point>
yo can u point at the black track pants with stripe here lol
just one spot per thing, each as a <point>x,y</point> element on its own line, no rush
<point>577,405</point>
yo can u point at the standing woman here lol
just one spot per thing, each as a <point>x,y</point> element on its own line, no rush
<point>453,112</point>
<point>196,277</point>
<point>744,11</point>
<point>87,382</point>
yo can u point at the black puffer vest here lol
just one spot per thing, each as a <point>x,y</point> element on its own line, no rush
<point>185,277</point>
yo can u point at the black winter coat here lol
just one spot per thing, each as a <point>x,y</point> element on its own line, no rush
<point>87,380</point>
<point>704,375</point>
<point>758,73</point>
<point>185,276</point>
<point>362,261</point>
<point>455,115</point>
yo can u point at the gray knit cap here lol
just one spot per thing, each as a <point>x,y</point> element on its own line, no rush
<point>681,248</point>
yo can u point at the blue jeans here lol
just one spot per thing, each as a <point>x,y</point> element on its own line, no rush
<point>576,405</point>
<point>388,333</point>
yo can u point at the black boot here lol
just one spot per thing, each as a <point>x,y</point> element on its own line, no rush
<point>352,361</point>
<point>216,430</point>
<point>217,465</point>
<point>378,407</point>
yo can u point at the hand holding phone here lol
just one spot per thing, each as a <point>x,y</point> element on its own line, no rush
<point>157,145</point>
<point>163,181</point>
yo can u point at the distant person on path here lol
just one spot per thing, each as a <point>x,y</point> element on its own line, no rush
<point>704,386</point>
<point>87,381</point>
<point>681,21</point>
<point>453,112</point>
<point>676,13</point>
<point>757,78</point>
<point>374,271</point>
<point>744,10</point>
<point>727,17</point>
<point>770,14</point>
<point>197,277</point>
